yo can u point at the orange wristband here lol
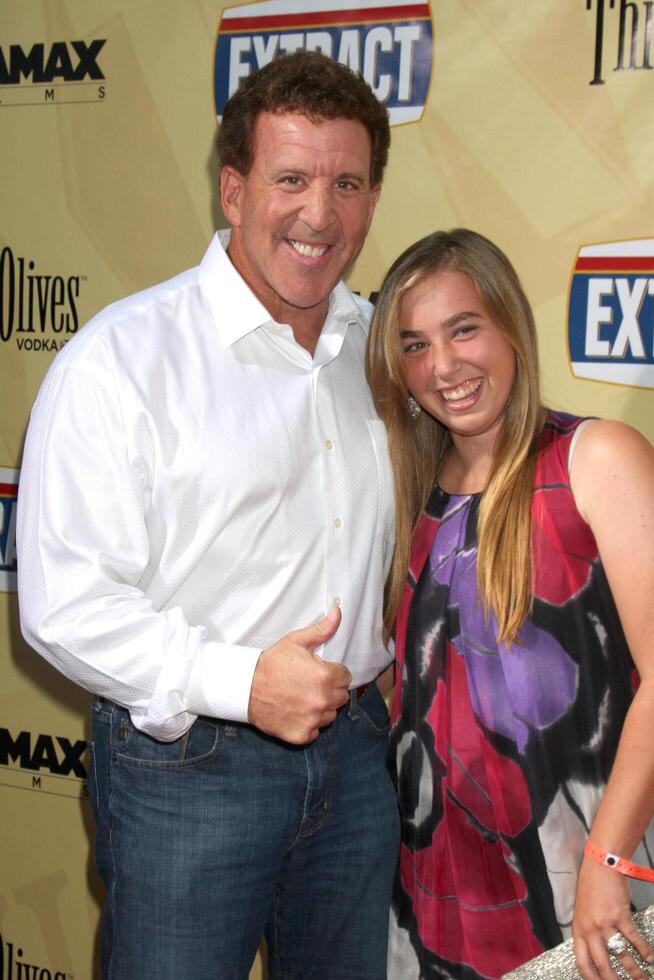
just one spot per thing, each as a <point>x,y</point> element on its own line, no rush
<point>618,863</point>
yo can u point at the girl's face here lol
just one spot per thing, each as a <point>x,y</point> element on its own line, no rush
<point>460,366</point>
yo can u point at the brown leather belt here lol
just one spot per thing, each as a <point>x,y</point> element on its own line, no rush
<point>358,693</point>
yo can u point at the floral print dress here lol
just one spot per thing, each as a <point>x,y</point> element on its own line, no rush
<point>501,753</point>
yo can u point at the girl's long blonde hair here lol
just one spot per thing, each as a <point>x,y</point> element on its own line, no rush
<point>418,446</point>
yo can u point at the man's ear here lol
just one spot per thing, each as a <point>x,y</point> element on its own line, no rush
<point>375,191</point>
<point>231,183</point>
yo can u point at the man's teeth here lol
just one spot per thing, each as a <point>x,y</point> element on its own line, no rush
<point>313,251</point>
<point>461,391</point>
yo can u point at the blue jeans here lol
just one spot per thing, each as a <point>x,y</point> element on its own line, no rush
<point>208,843</point>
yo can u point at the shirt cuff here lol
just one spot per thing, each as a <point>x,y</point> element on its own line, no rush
<point>221,680</point>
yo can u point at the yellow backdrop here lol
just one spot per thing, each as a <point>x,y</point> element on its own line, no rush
<point>536,131</point>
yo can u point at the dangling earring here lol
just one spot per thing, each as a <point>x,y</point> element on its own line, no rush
<point>413,408</point>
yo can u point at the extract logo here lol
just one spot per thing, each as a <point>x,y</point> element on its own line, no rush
<point>51,74</point>
<point>8,497</point>
<point>389,43</point>
<point>611,313</point>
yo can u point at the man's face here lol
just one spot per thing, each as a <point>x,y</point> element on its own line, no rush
<point>300,216</point>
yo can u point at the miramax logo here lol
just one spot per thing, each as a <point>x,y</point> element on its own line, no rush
<point>50,764</point>
<point>51,74</point>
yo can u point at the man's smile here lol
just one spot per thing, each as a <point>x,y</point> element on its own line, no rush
<point>311,251</point>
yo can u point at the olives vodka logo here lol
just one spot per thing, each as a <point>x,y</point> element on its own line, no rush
<point>13,965</point>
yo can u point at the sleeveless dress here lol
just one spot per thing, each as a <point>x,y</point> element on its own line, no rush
<point>501,753</point>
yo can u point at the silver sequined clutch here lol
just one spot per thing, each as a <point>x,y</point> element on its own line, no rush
<point>559,963</point>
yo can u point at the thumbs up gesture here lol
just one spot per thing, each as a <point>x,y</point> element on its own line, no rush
<point>294,693</point>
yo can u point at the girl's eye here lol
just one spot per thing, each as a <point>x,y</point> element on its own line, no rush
<point>416,345</point>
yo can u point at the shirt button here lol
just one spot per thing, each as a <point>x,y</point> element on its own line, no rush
<point>337,600</point>
<point>337,522</point>
<point>328,444</point>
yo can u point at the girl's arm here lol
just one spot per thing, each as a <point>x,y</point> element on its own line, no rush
<point>612,479</point>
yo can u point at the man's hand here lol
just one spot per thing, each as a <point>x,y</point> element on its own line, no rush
<point>295,693</point>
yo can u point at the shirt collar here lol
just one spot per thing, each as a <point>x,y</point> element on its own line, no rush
<point>342,304</point>
<point>237,311</point>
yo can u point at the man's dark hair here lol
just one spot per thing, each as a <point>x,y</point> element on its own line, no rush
<point>313,85</point>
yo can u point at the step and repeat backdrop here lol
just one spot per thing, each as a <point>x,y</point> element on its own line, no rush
<point>532,123</point>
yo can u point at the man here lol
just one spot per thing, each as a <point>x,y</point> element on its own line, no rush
<point>203,474</point>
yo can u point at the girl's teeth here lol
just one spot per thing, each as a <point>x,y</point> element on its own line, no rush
<point>461,391</point>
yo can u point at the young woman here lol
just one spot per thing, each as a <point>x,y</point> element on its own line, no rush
<point>523,715</point>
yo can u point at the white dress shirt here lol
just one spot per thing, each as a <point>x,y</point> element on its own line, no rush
<point>195,485</point>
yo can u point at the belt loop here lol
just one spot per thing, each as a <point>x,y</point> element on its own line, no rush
<point>353,711</point>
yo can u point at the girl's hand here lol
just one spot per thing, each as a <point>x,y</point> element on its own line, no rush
<point>602,909</point>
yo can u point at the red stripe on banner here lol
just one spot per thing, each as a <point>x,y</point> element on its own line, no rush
<point>8,489</point>
<point>626,263</point>
<point>417,11</point>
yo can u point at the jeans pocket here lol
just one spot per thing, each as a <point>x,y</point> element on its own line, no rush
<point>200,744</point>
<point>102,710</point>
<point>372,708</point>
